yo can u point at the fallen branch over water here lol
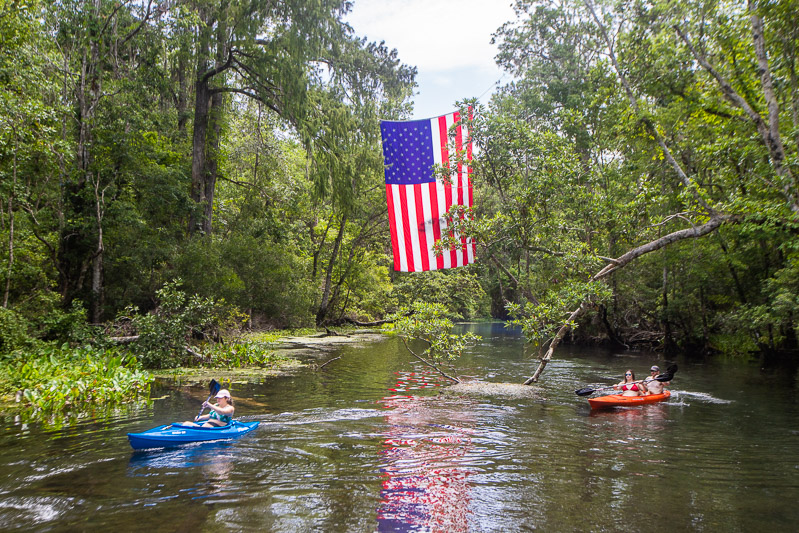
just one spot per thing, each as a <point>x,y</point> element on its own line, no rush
<point>328,362</point>
<point>690,233</point>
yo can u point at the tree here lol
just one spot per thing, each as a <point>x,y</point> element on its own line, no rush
<point>258,49</point>
<point>646,149</point>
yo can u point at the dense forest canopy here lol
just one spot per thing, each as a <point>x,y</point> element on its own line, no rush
<point>638,177</point>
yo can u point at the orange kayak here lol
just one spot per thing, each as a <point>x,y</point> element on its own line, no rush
<point>617,400</point>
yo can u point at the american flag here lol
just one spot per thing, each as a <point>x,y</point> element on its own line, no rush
<point>417,202</point>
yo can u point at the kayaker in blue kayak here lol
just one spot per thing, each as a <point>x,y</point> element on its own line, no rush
<point>221,413</point>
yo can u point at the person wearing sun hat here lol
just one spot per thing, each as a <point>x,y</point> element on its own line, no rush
<point>221,413</point>
<point>654,386</point>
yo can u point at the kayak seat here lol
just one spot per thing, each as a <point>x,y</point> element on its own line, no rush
<point>227,426</point>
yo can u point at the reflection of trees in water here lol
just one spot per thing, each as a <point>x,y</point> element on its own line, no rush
<point>425,485</point>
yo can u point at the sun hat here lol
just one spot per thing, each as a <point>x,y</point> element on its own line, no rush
<point>224,393</point>
<point>655,368</point>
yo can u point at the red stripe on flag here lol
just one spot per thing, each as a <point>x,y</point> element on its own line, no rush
<point>462,181</point>
<point>420,226</point>
<point>392,224</point>
<point>442,128</point>
<point>469,171</point>
<point>436,219</point>
<point>406,232</point>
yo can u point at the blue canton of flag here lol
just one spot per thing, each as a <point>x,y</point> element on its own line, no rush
<point>408,152</point>
<point>417,201</point>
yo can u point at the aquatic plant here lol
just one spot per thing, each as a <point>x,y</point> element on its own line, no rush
<point>243,354</point>
<point>55,379</point>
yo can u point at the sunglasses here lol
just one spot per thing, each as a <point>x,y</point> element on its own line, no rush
<point>628,374</point>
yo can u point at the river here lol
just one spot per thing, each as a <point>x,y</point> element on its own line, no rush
<point>368,444</point>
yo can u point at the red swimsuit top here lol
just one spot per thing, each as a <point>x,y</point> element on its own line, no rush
<point>627,386</point>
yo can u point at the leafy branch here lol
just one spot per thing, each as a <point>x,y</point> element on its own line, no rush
<point>428,323</point>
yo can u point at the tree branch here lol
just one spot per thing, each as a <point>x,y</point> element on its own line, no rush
<point>689,233</point>
<point>688,182</point>
<point>431,365</point>
<point>769,133</point>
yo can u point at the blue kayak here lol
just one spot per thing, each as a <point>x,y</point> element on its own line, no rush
<point>176,434</point>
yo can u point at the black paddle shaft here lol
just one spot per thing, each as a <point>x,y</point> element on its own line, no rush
<point>665,377</point>
<point>213,388</point>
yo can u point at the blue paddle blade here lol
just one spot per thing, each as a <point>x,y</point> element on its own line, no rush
<point>214,387</point>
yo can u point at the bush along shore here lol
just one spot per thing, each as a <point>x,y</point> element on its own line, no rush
<point>91,368</point>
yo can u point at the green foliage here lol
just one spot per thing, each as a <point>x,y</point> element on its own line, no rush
<point>243,353</point>
<point>14,331</point>
<point>96,175</point>
<point>540,321</point>
<point>56,380</point>
<point>428,323</point>
<point>573,171</point>
<point>39,321</point>
<point>265,278</point>
<point>165,333</point>
<point>458,290</point>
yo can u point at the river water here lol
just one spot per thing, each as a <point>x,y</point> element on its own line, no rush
<point>368,444</point>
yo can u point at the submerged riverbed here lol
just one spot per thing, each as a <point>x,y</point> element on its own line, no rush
<point>368,444</point>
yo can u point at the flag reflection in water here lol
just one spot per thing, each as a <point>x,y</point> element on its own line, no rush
<point>424,461</point>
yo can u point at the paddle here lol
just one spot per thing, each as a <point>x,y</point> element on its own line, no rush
<point>213,388</point>
<point>666,376</point>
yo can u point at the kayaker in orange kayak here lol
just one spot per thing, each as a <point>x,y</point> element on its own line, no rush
<point>654,386</point>
<point>629,387</point>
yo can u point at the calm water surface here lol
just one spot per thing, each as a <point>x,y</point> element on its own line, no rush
<point>366,444</point>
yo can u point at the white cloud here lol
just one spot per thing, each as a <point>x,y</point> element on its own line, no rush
<point>434,34</point>
<point>448,40</point>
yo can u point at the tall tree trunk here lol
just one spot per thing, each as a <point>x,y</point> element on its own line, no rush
<point>213,141</point>
<point>97,258</point>
<point>74,246</point>
<point>11,227</point>
<point>207,123</point>
<point>668,341</point>
<point>182,103</point>
<point>198,160</point>
<point>323,305</point>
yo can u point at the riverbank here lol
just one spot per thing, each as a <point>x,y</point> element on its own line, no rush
<point>293,350</point>
<point>73,380</point>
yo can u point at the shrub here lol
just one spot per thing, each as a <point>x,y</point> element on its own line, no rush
<point>14,331</point>
<point>165,334</point>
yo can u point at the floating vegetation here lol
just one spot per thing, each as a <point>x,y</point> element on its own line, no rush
<point>483,388</point>
<point>57,380</point>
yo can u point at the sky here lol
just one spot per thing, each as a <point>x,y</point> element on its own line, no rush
<point>449,41</point>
